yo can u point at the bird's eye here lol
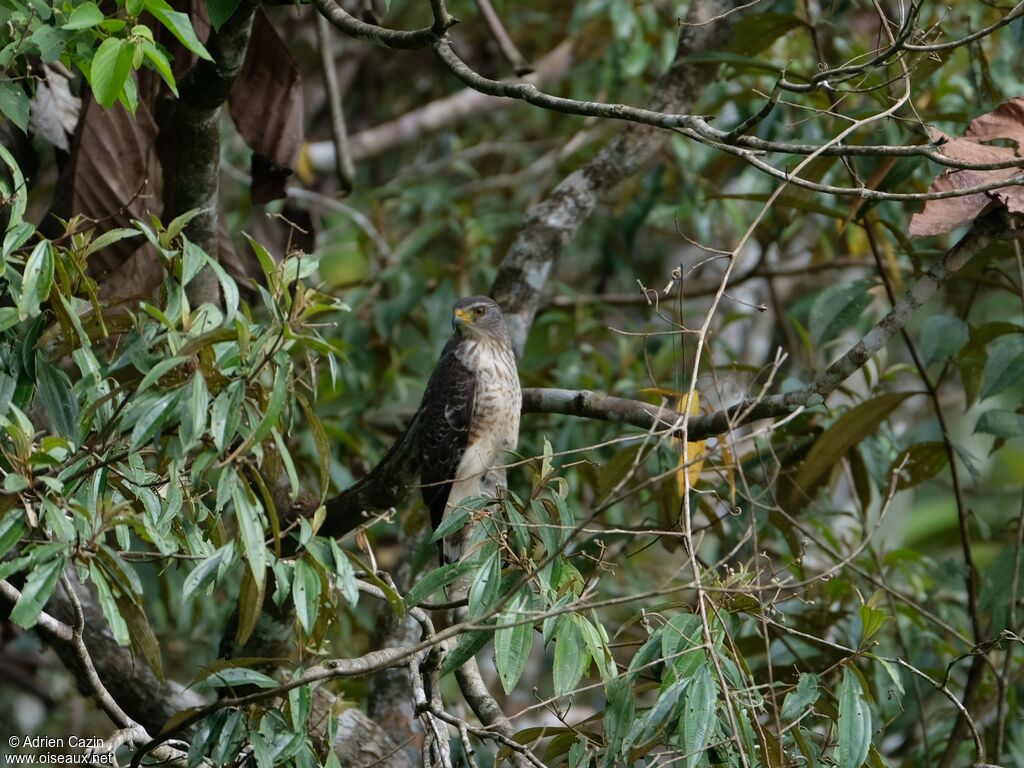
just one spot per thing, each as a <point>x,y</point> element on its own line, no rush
<point>479,311</point>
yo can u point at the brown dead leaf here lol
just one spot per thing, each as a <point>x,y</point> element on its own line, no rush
<point>109,180</point>
<point>1005,122</point>
<point>266,105</point>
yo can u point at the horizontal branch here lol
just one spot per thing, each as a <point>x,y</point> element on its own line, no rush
<point>532,95</point>
<point>389,38</point>
<point>396,474</point>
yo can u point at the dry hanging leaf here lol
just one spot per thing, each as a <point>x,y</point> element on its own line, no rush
<point>1005,122</point>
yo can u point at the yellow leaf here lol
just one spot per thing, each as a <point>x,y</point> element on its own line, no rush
<point>687,477</point>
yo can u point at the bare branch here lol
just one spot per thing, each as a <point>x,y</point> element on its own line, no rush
<point>390,38</point>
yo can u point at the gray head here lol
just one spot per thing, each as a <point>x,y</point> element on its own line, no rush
<point>478,316</point>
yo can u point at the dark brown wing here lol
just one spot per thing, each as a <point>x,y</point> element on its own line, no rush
<point>446,413</point>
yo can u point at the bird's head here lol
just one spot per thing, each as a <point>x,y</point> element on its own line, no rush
<point>476,316</point>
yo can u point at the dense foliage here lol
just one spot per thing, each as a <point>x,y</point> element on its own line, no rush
<point>824,568</point>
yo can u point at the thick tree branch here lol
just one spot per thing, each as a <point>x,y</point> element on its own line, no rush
<point>389,38</point>
<point>551,224</point>
<point>204,89</point>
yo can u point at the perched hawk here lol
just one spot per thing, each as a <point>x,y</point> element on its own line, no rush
<point>469,417</point>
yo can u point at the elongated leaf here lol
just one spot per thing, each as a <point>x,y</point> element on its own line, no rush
<point>250,529</point>
<point>1001,423</point>
<point>1004,367</point>
<point>274,406</point>
<point>142,636</point>
<point>12,528</point>
<point>179,25</point>
<point>233,677</point>
<point>805,695</point>
<point>698,716</point>
<point>226,415</point>
<point>37,590</point>
<point>153,374</point>
<point>433,581</point>
<point>153,418</point>
<point>306,593</point>
<point>250,603</point>
<point>512,643</point>
<point>36,281</point>
<point>60,401</point>
<point>571,656</point>
<point>118,626</point>
<point>942,336</point>
<point>469,644</point>
<point>837,307</point>
<point>854,723</point>
<point>14,103</point>
<point>346,574</point>
<point>847,431</point>
<point>204,573</point>
<point>484,590</point>
<point>919,462</point>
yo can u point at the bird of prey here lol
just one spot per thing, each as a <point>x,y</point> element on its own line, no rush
<point>469,417</point>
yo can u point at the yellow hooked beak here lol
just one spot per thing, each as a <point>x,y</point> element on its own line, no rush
<point>461,316</point>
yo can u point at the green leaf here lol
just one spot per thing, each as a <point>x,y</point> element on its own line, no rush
<point>320,440</point>
<point>346,574</point>
<point>757,31</point>
<point>153,374</point>
<point>1004,367</point>
<point>485,589</point>
<point>14,103</point>
<point>36,280</point>
<point>228,287</point>
<point>306,593</point>
<point>226,415</point>
<point>433,581</point>
<point>179,25</point>
<point>250,528</point>
<point>110,237</point>
<point>854,723</point>
<point>871,620</point>
<point>942,336</point>
<point>846,431</point>
<point>110,69</point>
<point>14,193</point>
<point>805,695</point>
<point>156,57</point>
<point>84,16</point>
<point>8,318</point>
<point>37,590</point>
<point>234,677</point>
<point>220,11</point>
<point>571,656</point>
<point>837,307</point>
<point>12,528</point>
<point>205,572</point>
<point>1001,423</point>
<point>60,401</point>
<point>512,643</point>
<point>142,636</point>
<point>118,627</point>
<point>919,462</point>
<point>274,407</point>
<point>698,715</point>
<point>469,644</point>
<point>153,417</point>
